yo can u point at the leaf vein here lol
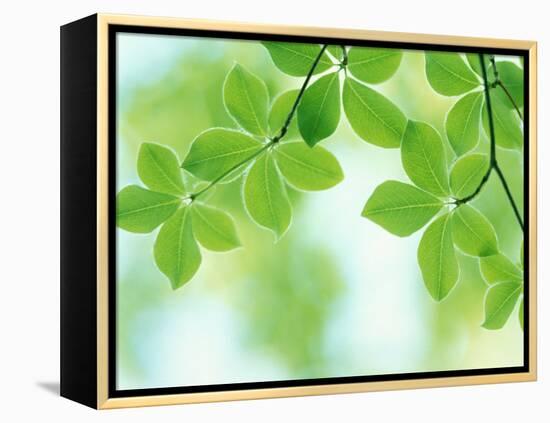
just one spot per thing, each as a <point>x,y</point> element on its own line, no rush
<point>318,116</point>
<point>428,162</point>
<point>161,169</point>
<point>142,209</point>
<point>221,156</point>
<point>372,111</point>
<point>249,102</point>
<point>372,59</point>
<point>492,315</point>
<point>311,167</point>
<point>214,228</point>
<point>454,73</point>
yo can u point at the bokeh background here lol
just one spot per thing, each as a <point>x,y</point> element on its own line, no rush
<point>338,295</point>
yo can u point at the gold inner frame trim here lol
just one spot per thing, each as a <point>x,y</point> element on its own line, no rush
<point>103,22</point>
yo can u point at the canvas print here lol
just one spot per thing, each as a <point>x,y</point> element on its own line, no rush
<point>297,211</point>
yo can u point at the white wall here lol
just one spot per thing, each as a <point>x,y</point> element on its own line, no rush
<point>29,157</point>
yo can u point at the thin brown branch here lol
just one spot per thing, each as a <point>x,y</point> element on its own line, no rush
<point>493,163</point>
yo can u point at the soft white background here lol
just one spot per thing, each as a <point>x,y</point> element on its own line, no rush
<point>29,239</point>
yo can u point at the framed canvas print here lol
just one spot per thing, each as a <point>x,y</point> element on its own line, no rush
<point>254,211</point>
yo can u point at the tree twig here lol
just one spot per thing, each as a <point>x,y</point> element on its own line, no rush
<point>284,129</point>
<point>493,163</point>
<point>282,132</point>
<point>498,83</point>
<point>498,170</point>
<point>232,169</point>
<point>474,194</point>
<point>503,87</point>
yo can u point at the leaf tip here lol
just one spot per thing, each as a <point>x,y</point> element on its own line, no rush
<point>310,142</point>
<point>439,297</point>
<point>366,211</point>
<point>277,236</point>
<point>176,283</point>
<point>487,325</point>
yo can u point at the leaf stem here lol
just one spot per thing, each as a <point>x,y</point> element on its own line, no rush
<point>232,169</point>
<point>508,194</point>
<point>498,83</point>
<point>470,197</point>
<point>344,56</point>
<point>272,141</point>
<point>493,163</point>
<point>284,129</point>
<point>503,87</point>
<point>492,137</point>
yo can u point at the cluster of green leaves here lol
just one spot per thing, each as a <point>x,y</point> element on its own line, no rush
<point>450,75</point>
<point>373,117</point>
<point>165,203</point>
<point>440,196</point>
<point>269,163</point>
<point>275,145</point>
<point>505,280</point>
<point>221,155</point>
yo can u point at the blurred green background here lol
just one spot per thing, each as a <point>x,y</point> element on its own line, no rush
<point>338,295</point>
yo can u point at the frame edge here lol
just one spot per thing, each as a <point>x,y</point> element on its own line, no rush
<point>103,399</point>
<point>78,361</point>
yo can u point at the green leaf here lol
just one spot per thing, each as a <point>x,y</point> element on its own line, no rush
<point>159,169</point>
<point>437,258</point>
<point>473,233</point>
<point>246,98</point>
<point>521,313</point>
<point>467,174</point>
<point>176,252</point>
<point>400,208</point>
<point>448,74</point>
<point>140,210</point>
<point>309,169</point>
<point>463,123</point>
<point>508,132</point>
<point>279,112</point>
<point>423,158</point>
<point>372,116</point>
<point>319,109</point>
<point>214,228</point>
<point>511,77</point>
<point>373,65</point>
<point>296,59</point>
<point>265,196</point>
<point>499,303</point>
<point>499,268</point>
<point>337,52</point>
<point>475,63</point>
<point>217,151</point>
